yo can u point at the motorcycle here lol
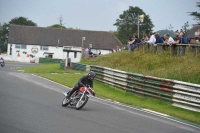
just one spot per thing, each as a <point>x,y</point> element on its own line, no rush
<point>2,63</point>
<point>79,98</point>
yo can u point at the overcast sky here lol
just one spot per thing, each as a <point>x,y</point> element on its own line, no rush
<point>97,14</point>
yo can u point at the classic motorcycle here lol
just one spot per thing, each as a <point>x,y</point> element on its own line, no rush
<point>79,98</point>
<point>2,63</point>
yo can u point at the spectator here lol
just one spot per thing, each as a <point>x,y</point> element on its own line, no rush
<point>113,50</point>
<point>168,40</point>
<point>152,39</point>
<point>118,49</point>
<point>130,43</point>
<point>177,40</point>
<point>182,32</point>
<point>145,38</point>
<point>177,32</point>
<point>135,43</point>
<point>196,34</point>
<point>86,52</point>
<point>158,39</point>
<point>134,35</point>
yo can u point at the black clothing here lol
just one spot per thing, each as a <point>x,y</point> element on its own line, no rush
<point>85,81</point>
<point>81,82</point>
<point>178,38</point>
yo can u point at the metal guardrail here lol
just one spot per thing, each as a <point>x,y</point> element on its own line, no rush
<point>49,60</point>
<point>180,49</point>
<point>180,94</point>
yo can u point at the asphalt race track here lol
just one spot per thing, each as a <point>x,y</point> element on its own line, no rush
<point>31,104</point>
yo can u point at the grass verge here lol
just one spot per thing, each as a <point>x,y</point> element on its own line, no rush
<point>70,77</point>
<point>184,68</point>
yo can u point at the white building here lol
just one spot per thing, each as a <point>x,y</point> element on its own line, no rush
<point>25,42</point>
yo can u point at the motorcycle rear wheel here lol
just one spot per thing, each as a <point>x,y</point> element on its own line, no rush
<point>80,103</point>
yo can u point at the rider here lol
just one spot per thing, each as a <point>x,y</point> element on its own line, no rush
<point>85,80</point>
<point>1,60</point>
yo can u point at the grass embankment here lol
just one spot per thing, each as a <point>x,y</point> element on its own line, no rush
<point>70,78</point>
<point>183,68</point>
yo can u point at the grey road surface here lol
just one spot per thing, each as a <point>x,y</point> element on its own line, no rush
<point>30,104</point>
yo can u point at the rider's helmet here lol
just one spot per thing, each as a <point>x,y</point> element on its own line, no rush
<point>91,75</point>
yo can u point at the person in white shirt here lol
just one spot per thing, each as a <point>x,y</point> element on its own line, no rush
<point>168,40</point>
<point>152,39</point>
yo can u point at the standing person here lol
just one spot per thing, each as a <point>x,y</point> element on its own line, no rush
<point>83,81</point>
<point>182,32</point>
<point>130,43</point>
<point>135,42</point>
<point>177,40</point>
<point>86,52</point>
<point>199,34</point>
<point>196,34</point>
<point>177,32</point>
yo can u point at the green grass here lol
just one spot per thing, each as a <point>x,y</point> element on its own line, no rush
<point>70,77</point>
<point>184,68</point>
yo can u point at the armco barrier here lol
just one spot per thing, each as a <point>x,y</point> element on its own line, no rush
<point>181,94</point>
<point>49,60</point>
<point>81,67</point>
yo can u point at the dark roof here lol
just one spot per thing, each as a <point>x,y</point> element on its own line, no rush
<point>163,32</point>
<point>31,35</point>
<point>191,32</point>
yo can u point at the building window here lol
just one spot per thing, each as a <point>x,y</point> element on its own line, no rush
<point>44,48</point>
<point>20,46</point>
<point>23,46</point>
<point>17,46</point>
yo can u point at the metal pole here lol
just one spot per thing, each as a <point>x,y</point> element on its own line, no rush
<point>138,26</point>
<point>82,42</point>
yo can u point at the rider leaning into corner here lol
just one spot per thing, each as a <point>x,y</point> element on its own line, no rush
<point>1,60</point>
<point>85,80</point>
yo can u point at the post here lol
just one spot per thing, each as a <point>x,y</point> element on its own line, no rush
<point>82,43</point>
<point>138,27</point>
<point>83,38</point>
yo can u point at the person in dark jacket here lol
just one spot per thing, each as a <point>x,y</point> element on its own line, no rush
<point>158,39</point>
<point>85,80</point>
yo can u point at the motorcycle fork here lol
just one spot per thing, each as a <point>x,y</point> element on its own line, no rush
<point>83,94</point>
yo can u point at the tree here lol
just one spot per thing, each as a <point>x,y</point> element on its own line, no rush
<point>127,24</point>
<point>185,27</point>
<point>4,32</point>
<point>56,26</point>
<point>61,21</point>
<point>196,14</point>
<point>22,21</point>
<point>4,36</point>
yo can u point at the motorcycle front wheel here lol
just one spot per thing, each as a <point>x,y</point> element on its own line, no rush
<point>65,102</point>
<point>82,102</point>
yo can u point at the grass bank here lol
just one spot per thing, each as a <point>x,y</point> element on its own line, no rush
<point>183,68</point>
<point>70,78</point>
